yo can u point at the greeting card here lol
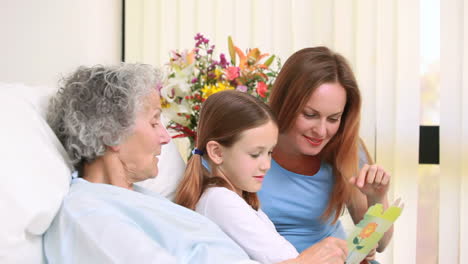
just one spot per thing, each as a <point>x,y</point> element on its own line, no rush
<point>370,230</point>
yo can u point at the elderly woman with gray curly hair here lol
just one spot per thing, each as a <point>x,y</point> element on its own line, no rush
<point>108,119</point>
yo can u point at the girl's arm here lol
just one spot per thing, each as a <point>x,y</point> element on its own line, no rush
<point>251,230</point>
<point>331,250</point>
<point>256,234</point>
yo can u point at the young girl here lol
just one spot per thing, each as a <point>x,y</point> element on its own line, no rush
<point>236,136</point>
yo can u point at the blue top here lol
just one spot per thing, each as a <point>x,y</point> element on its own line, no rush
<point>101,223</point>
<point>295,202</point>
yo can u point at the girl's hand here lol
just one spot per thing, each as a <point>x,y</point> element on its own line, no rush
<point>330,250</point>
<point>373,181</point>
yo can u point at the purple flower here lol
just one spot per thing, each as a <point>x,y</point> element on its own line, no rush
<point>200,40</point>
<point>159,86</point>
<point>222,61</point>
<point>211,75</point>
<point>194,80</point>
<point>241,88</point>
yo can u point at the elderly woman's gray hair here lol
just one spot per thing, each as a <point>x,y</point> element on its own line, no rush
<point>96,107</point>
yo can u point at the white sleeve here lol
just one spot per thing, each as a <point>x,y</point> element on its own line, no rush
<point>255,233</point>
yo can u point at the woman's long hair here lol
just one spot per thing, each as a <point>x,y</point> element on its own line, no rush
<point>223,117</point>
<point>300,76</point>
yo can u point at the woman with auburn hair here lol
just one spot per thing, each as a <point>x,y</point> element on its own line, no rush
<point>235,138</point>
<point>316,164</point>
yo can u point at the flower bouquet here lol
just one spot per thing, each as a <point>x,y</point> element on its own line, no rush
<point>196,74</point>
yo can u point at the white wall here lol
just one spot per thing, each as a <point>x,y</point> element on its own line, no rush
<point>42,40</point>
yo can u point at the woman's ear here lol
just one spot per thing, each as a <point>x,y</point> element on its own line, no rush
<point>214,150</point>
<point>115,148</point>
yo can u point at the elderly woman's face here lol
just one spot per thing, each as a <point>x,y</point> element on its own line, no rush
<point>139,151</point>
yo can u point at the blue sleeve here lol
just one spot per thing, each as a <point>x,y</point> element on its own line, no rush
<point>101,238</point>
<point>362,155</point>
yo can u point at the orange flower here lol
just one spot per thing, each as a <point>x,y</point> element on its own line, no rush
<point>368,230</point>
<point>251,60</point>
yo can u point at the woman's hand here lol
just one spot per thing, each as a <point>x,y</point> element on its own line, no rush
<point>373,181</point>
<point>371,255</point>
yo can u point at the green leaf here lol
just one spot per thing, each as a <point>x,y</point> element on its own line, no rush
<point>355,240</point>
<point>232,51</point>
<point>359,247</point>
<point>269,61</point>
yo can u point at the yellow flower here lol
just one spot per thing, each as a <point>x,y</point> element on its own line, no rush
<point>208,90</point>
<point>224,86</point>
<point>218,73</point>
<point>368,230</point>
<point>212,89</point>
<point>164,103</point>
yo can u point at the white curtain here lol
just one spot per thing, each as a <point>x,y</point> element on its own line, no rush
<point>453,216</point>
<point>381,40</point>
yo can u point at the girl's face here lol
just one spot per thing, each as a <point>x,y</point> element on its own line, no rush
<point>317,122</point>
<point>245,163</point>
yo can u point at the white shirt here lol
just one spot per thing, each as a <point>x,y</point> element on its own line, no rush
<point>251,229</point>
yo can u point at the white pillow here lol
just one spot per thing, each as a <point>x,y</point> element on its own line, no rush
<point>35,173</point>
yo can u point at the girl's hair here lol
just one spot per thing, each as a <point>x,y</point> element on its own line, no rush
<point>96,107</point>
<point>223,117</point>
<point>300,76</point>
